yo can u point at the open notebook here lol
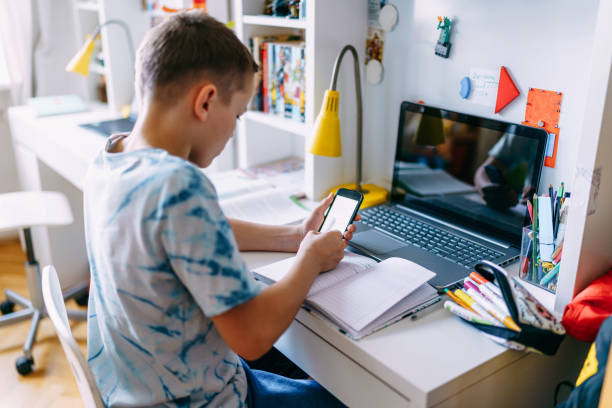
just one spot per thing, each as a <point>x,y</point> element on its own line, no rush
<point>361,295</point>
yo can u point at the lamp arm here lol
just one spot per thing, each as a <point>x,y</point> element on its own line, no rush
<point>359,101</point>
<point>127,33</point>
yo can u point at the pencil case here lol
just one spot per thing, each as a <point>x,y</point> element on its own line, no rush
<point>540,330</point>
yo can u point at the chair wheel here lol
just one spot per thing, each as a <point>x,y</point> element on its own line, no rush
<point>7,307</point>
<point>24,365</point>
<point>83,299</point>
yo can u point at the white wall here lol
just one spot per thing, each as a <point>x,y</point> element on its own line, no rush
<point>543,44</point>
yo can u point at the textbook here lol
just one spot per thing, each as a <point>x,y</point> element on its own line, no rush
<point>361,295</point>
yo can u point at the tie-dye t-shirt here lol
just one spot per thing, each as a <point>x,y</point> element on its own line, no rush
<point>163,260</point>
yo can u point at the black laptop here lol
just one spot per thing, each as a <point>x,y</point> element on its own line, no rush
<point>458,196</point>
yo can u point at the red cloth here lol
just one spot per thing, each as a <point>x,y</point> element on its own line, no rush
<point>584,315</point>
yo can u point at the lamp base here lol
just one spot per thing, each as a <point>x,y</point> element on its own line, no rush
<point>372,195</point>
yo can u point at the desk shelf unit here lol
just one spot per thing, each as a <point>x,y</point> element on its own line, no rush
<point>263,137</point>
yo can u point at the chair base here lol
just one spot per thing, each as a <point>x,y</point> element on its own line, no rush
<point>24,363</point>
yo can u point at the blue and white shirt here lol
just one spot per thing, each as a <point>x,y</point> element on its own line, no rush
<point>163,260</point>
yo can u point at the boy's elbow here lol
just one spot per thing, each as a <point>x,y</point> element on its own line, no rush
<point>254,347</point>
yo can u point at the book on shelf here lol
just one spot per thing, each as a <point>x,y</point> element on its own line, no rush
<point>281,85</point>
<point>361,295</point>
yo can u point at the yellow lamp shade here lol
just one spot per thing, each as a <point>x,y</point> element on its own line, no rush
<point>430,131</point>
<point>326,139</point>
<point>80,62</point>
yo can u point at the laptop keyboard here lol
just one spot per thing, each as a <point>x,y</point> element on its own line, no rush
<point>435,240</point>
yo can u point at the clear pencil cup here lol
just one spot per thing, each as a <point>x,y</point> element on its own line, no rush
<point>540,261</point>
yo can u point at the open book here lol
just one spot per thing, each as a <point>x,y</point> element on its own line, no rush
<point>262,194</point>
<point>361,295</point>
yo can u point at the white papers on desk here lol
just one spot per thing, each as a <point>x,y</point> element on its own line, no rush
<point>271,206</point>
<point>427,182</point>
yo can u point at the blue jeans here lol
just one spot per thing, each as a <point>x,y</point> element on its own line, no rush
<point>272,390</point>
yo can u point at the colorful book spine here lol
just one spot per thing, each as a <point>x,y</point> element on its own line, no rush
<point>281,88</point>
<point>264,78</point>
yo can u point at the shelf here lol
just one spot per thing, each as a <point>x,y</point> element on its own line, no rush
<point>275,21</point>
<point>299,128</point>
<point>88,5</point>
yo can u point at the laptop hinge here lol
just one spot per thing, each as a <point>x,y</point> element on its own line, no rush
<point>455,227</point>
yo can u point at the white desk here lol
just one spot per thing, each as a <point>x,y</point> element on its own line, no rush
<point>52,153</point>
<point>435,360</point>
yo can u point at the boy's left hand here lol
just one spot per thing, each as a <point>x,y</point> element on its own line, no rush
<point>313,222</point>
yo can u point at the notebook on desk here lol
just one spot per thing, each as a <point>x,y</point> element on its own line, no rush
<point>438,216</point>
<point>362,295</point>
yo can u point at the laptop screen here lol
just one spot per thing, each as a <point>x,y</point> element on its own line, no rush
<point>467,170</point>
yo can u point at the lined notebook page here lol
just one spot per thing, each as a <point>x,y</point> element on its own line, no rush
<point>366,296</point>
<point>350,265</point>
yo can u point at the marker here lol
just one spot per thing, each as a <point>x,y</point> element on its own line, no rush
<point>493,310</point>
<point>530,209</point>
<point>464,313</point>
<point>550,194</point>
<point>476,307</point>
<point>557,251</point>
<point>482,281</point>
<point>490,296</point>
<point>550,275</point>
<point>557,258</point>
<point>458,301</point>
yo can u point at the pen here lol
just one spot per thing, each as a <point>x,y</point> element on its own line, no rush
<point>493,310</point>
<point>557,216</point>
<point>557,250</point>
<point>484,315</point>
<point>458,301</point>
<point>525,265</point>
<point>490,296</point>
<point>464,313</point>
<point>550,194</point>
<point>482,281</point>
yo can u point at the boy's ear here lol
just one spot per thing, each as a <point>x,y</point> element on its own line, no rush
<point>206,95</point>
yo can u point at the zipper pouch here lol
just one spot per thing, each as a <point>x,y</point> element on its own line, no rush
<point>540,330</point>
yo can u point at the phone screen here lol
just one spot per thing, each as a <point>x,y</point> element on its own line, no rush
<point>339,215</point>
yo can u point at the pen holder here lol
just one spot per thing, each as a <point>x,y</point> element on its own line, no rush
<point>540,261</point>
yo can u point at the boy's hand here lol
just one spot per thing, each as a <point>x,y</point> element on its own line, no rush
<point>314,221</point>
<point>322,250</point>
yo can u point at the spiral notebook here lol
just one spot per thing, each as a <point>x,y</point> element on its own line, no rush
<point>362,295</point>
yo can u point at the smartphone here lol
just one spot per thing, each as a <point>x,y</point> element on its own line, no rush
<point>342,210</point>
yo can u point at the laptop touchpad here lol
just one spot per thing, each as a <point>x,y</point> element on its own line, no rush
<point>377,242</point>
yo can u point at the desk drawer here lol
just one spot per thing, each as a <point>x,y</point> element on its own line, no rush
<point>347,380</point>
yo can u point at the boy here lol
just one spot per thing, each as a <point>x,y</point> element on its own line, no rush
<point>172,302</point>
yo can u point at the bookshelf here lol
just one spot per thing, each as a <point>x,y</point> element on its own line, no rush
<point>262,137</point>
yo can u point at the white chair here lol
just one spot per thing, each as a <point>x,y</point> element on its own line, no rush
<point>23,210</point>
<point>54,302</point>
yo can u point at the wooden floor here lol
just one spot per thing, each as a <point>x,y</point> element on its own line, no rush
<point>51,384</point>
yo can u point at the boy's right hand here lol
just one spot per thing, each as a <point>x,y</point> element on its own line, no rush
<point>323,250</point>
